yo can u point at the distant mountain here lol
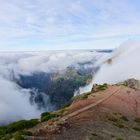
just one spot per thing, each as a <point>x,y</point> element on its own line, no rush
<point>132,83</point>
<point>58,87</point>
<point>42,81</point>
<point>105,51</point>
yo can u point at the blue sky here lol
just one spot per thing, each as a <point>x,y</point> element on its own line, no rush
<point>67,24</point>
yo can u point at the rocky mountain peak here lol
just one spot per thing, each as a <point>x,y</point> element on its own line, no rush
<point>132,83</point>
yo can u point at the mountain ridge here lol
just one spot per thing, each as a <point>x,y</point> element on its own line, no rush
<point>108,107</point>
<point>107,112</point>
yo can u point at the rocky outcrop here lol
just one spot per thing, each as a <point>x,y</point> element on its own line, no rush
<point>132,83</point>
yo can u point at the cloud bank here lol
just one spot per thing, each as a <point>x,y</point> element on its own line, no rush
<point>14,100</point>
<point>125,64</point>
<point>53,61</point>
<point>14,103</point>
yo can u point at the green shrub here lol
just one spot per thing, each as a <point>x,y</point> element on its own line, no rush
<point>60,112</point>
<point>47,116</point>
<point>124,118</point>
<point>1,133</point>
<point>23,132</point>
<point>113,119</point>
<point>119,139</point>
<point>7,137</point>
<point>65,105</point>
<point>94,134</point>
<point>137,129</point>
<point>21,125</point>
<point>44,114</point>
<point>85,95</point>
<point>3,138</point>
<point>115,113</point>
<point>19,134</point>
<point>137,120</point>
<point>18,137</point>
<point>118,124</point>
<point>2,130</point>
<point>102,87</point>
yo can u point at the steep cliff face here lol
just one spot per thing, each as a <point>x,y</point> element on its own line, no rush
<point>57,88</point>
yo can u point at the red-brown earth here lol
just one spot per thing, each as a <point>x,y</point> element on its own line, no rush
<point>109,114</point>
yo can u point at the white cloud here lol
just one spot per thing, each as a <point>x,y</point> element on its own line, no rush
<point>53,61</point>
<point>125,64</point>
<point>14,101</point>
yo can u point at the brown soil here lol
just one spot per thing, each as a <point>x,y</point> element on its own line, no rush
<point>98,117</point>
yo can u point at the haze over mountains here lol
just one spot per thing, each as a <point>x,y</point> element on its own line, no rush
<point>33,82</point>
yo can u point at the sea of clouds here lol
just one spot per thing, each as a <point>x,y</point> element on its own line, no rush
<point>14,100</point>
<point>123,63</point>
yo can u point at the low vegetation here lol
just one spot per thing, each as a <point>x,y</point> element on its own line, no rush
<point>124,118</point>
<point>94,134</point>
<point>21,125</point>
<point>119,139</point>
<point>98,88</point>
<point>101,87</point>
<point>17,129</point>
<point>137,120</point>
<point>62,109</point>
<point>85,95</point>
<point>117,122</point>
<point>47,116</point>
<point>18,126</point>
<point>113,119</point>
<point>65,105</point>
<point>136,129</point>
<point>19,134</point>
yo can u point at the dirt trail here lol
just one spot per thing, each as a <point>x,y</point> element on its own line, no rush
<point>119,99</point>
<point>75,113</point>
